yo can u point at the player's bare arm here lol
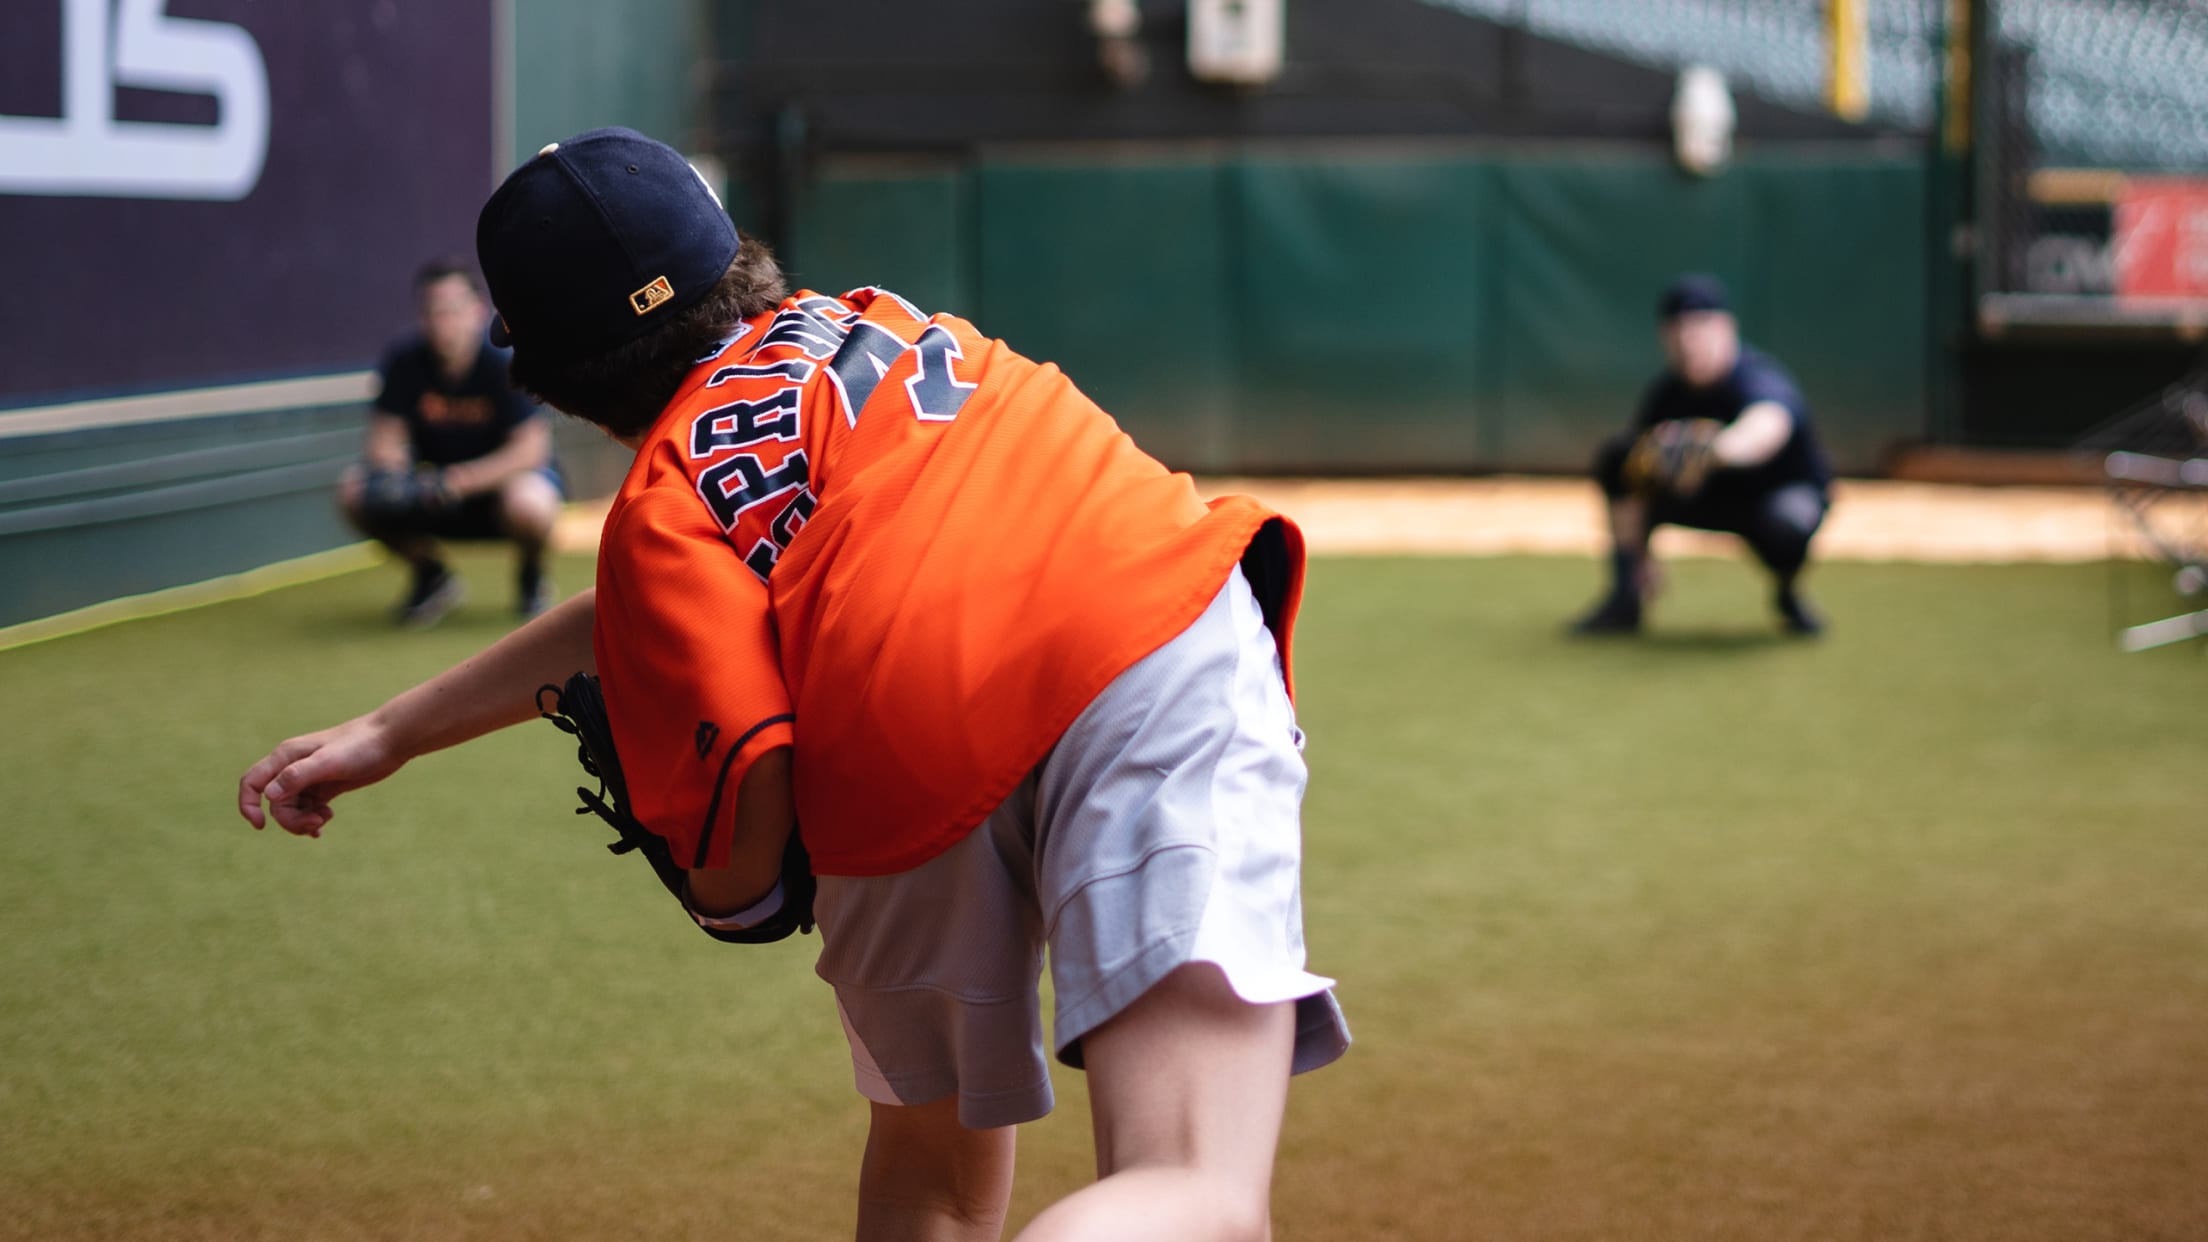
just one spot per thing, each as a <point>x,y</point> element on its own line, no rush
<point>387,446</point>
<point>1755,437</point>
<point>766,814</point>
<point>486,692</point>
<point>529,447</point>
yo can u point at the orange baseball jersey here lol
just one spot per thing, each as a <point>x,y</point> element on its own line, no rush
<point>906,549</point>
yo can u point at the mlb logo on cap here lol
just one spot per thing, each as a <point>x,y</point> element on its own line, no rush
<point>652,296</point>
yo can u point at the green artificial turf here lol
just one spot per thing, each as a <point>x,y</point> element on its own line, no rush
<point>1902,934</point>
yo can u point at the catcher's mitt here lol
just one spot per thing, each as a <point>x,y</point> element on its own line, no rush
<point>401,500</point>
<point>579,708</point>
<point>1672,458</point>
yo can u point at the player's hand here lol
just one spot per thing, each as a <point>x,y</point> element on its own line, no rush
<point>1695,455</point>
<point>443,488</point>
<point>1673,458</point>
<point>300,778</point>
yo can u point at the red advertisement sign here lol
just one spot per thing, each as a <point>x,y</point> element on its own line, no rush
<point>2162,238</point>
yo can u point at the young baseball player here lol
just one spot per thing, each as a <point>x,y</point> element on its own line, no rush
<point>875,574</point>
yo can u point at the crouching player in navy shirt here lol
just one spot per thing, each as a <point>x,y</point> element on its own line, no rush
<point>454,451</point>
<point>1723,442</point>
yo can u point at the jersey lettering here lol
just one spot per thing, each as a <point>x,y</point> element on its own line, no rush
<point>766,553</point>
<point>937,393</point>
<point>744,482</point>
<point>816,326</point>
<point>724,345</point>
<point>761,559</point>
<point>860,365</point>
<point>795,370</point>
<point>739,484</point>
<point>793,517</point>
<point>912,312</point>
<point>741,423</point>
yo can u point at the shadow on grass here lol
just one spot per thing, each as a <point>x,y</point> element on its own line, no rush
<point>1717,642</point>
<point>343,622</point>
<point>1680,643</point>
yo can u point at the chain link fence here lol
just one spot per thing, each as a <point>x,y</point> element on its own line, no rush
<point>2091,118</point>
<point>1775,48</point>
<point>2094,146</point>
<point>2112,83</point>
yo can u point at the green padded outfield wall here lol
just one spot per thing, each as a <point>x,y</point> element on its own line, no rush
<point>580,64</point>
<point>102,512</point>
<point>1363,312</point>
<point>1116,275</point>
<point>1389,308</point>
<point>1824,255</point>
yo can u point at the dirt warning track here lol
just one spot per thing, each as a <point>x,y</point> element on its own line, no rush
<point>1871,520</point>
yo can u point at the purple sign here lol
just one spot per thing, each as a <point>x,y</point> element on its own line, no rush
<point>209,191</point>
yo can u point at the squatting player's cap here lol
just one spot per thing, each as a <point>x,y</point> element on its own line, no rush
<point>598,240</point>
<point>1691,292</point>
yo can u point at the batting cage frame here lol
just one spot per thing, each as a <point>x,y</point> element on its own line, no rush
<point>2155,460</point>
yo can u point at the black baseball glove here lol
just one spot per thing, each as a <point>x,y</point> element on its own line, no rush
<point>401,500</point>
<point>1673,457</point>
<point>579,708</point>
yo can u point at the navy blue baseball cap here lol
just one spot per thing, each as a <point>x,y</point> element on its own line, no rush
<point>598,240</point>
<point>1691,292</point>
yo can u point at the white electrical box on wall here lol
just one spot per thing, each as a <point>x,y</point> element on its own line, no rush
<point>1235,41</point>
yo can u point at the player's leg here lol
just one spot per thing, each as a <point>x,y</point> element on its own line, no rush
<point>1187,1087</point>
<point>1778,527</point>
<point>1632,522</point>
<point>349,489</point>
<point>529,506</point>
<point>432,590</point>
<point>1631,568</point>
<point>1170,863</point>
<point>928,1178</point>
<point>936,971</point>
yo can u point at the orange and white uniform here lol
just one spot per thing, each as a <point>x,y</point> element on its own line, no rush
<point>907,550</point>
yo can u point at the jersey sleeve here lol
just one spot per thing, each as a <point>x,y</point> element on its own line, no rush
<point>514,406</point>
<point>1762,381</point>
<point>395,393</point>
<point>1656,404</point>
<point>688,662</point>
